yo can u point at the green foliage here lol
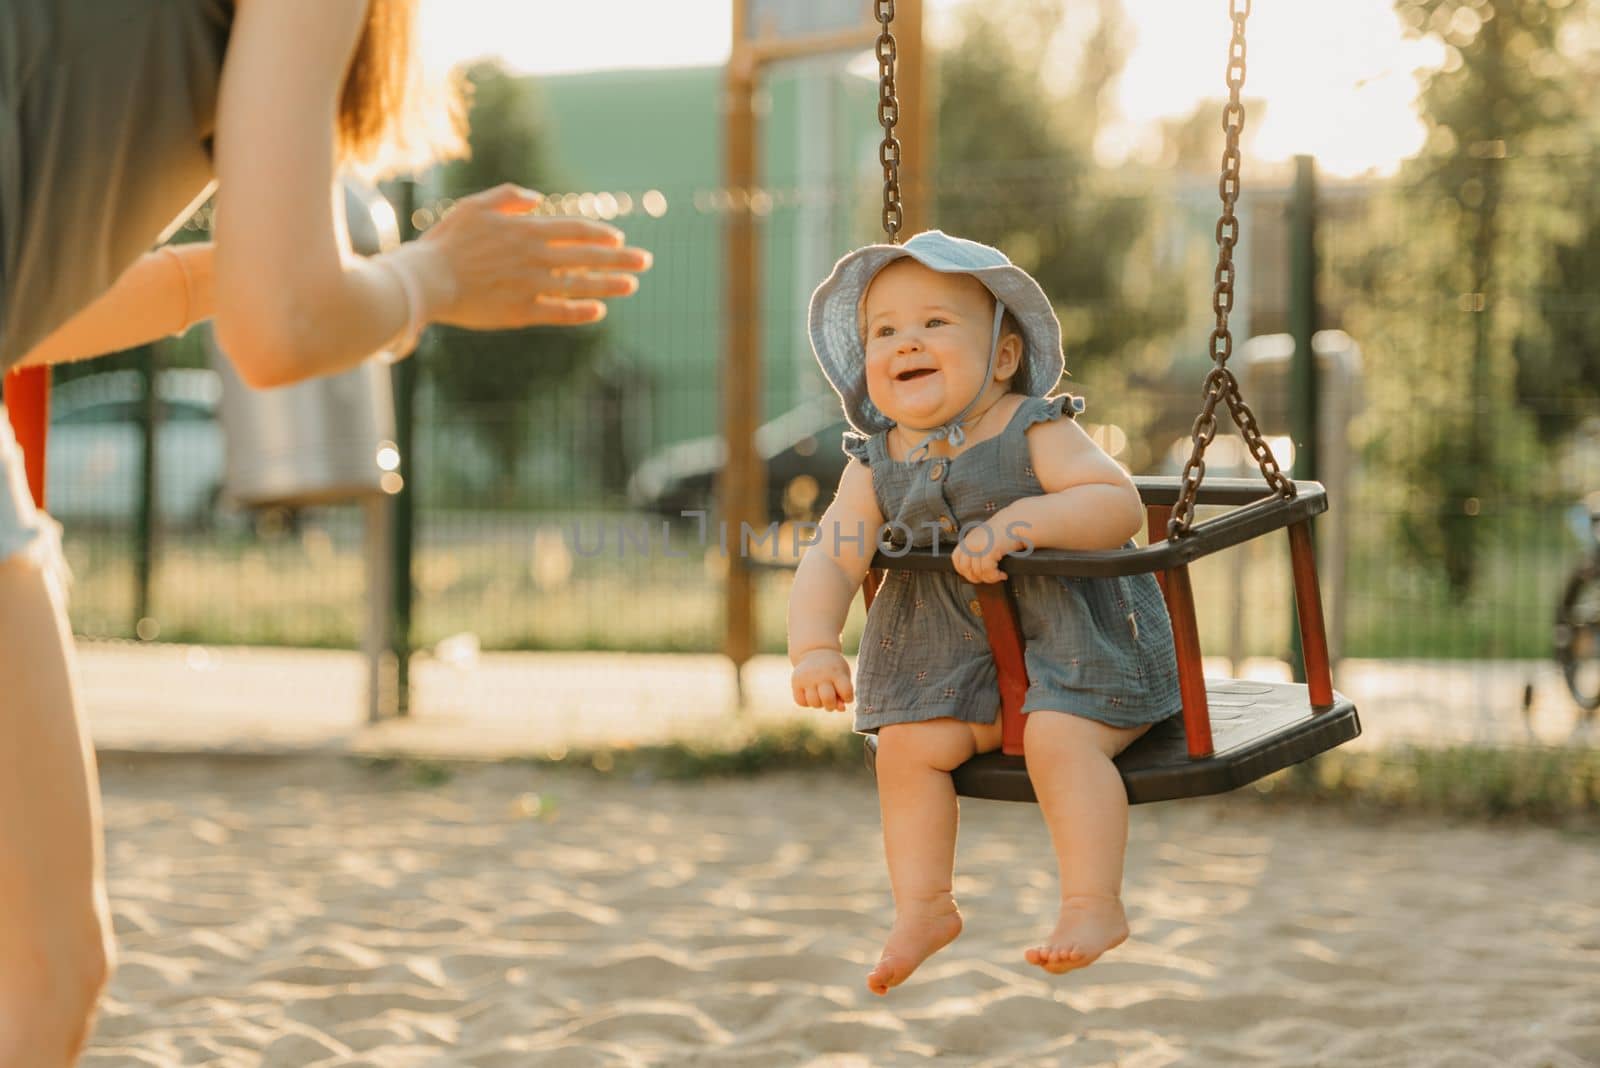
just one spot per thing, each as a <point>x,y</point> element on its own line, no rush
<point>742,751</point>
<point>1551,786</point>
<point>1558,366</point>
<point>1470,222</point>
<point>1017,170</point>
<point>491,377</point>
<point>1546,786</point>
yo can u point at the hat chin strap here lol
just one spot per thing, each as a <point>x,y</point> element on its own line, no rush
<point>953,432</point>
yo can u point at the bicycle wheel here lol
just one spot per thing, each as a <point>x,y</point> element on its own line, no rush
<point>1578,636</point>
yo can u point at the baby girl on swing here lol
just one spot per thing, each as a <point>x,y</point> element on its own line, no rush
<point>944,353</point>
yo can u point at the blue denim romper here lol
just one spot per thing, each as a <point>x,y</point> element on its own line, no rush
<point>1100,648</point>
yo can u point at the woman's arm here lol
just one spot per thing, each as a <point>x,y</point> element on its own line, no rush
<point>831,572</point>
<point>1089,501</point>
<point>288,304</point>
<point>164,292</point>
<point>291,301</point>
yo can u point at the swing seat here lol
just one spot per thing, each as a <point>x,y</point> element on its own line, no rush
<point>1258,728</point>
<point>1231,731</point>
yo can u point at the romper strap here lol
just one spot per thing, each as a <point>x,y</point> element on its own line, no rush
<point>1031,411</point>
<point>860,447</point>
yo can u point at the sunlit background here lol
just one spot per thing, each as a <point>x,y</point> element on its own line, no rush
<point>1338,81</point>
<point>1454,283</point>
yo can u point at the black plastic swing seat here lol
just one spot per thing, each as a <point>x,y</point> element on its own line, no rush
<point>1257,728</point>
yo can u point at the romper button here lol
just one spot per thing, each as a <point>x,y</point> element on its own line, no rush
<point>974,607</point>
<point>936,472</point>
<point>947,524</point>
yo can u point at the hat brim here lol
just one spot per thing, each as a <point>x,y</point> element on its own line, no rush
<point>835,328</point>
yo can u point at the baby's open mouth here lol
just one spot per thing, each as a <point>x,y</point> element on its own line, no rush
<point>919,372</point>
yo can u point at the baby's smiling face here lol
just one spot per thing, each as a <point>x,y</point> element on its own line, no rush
<point>927,336</point>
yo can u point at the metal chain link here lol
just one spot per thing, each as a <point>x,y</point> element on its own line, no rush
<point>888,115</point>
<point>1221,386</point>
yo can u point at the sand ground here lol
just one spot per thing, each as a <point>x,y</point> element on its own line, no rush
<point>309,912</point>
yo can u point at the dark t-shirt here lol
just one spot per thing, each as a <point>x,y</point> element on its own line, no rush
<point>106,115</point>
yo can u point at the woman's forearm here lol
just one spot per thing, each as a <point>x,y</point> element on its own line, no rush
<point>163,293</point>
<point>1085,517</point>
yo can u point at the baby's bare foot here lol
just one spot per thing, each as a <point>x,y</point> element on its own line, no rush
<point>916,936</point>
<point>1086,928</point>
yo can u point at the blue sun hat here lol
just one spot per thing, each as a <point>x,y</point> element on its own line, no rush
<point>835,323</point>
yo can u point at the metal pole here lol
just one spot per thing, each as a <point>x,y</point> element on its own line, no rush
<point>144,549</point>
<point>741,491</point>
<point>404,516</point>
<point>1303,318</point>
<point>1303,428</point>
<point>380,623</point>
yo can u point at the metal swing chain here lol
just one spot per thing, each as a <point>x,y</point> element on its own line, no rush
<point>1220,384</point>
<point>888,115</point>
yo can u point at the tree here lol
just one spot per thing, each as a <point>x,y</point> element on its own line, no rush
<point>1558,365</point>
<point>1476,213</point>
<point>1016,167</point>
<point>492,376</point>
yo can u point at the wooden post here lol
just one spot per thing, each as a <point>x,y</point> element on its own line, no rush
<point>914,130</point>
<point>741,492</point>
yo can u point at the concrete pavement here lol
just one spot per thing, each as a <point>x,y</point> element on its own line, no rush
<point>465,703</point>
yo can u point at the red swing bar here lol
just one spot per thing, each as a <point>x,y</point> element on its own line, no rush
<point>27,401</point>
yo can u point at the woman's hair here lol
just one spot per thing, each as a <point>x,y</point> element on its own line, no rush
<point>390,118</point>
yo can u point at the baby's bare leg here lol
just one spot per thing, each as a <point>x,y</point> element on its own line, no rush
<point>918,802</point>
<point>1085,805</point>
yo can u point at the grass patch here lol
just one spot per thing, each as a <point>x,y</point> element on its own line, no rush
<point>738,753</point>
<point>1558,787</point>
<point>1546,786</point>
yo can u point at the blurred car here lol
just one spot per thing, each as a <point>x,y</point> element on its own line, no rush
<point>800,449</point>
<point>95,454</point>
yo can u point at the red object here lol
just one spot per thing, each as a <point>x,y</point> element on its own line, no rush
<point>1191,676</point>
<point>1005,642</point>
<point>27,400</point>
<point>1308,609</point>
<point>1156,518</point>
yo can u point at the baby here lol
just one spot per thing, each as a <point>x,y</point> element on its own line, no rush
<point>943,354</point>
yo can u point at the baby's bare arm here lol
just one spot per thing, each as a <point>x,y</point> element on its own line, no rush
<point>832,570</point>
<point>1089,500</point>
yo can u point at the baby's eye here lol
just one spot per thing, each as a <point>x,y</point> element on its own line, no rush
<point>936,321</point>
<point>883,331</point>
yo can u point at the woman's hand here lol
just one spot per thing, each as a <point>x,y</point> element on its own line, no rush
<point>822,680</point>
<point>977,558</point>
<point>490,264</point>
